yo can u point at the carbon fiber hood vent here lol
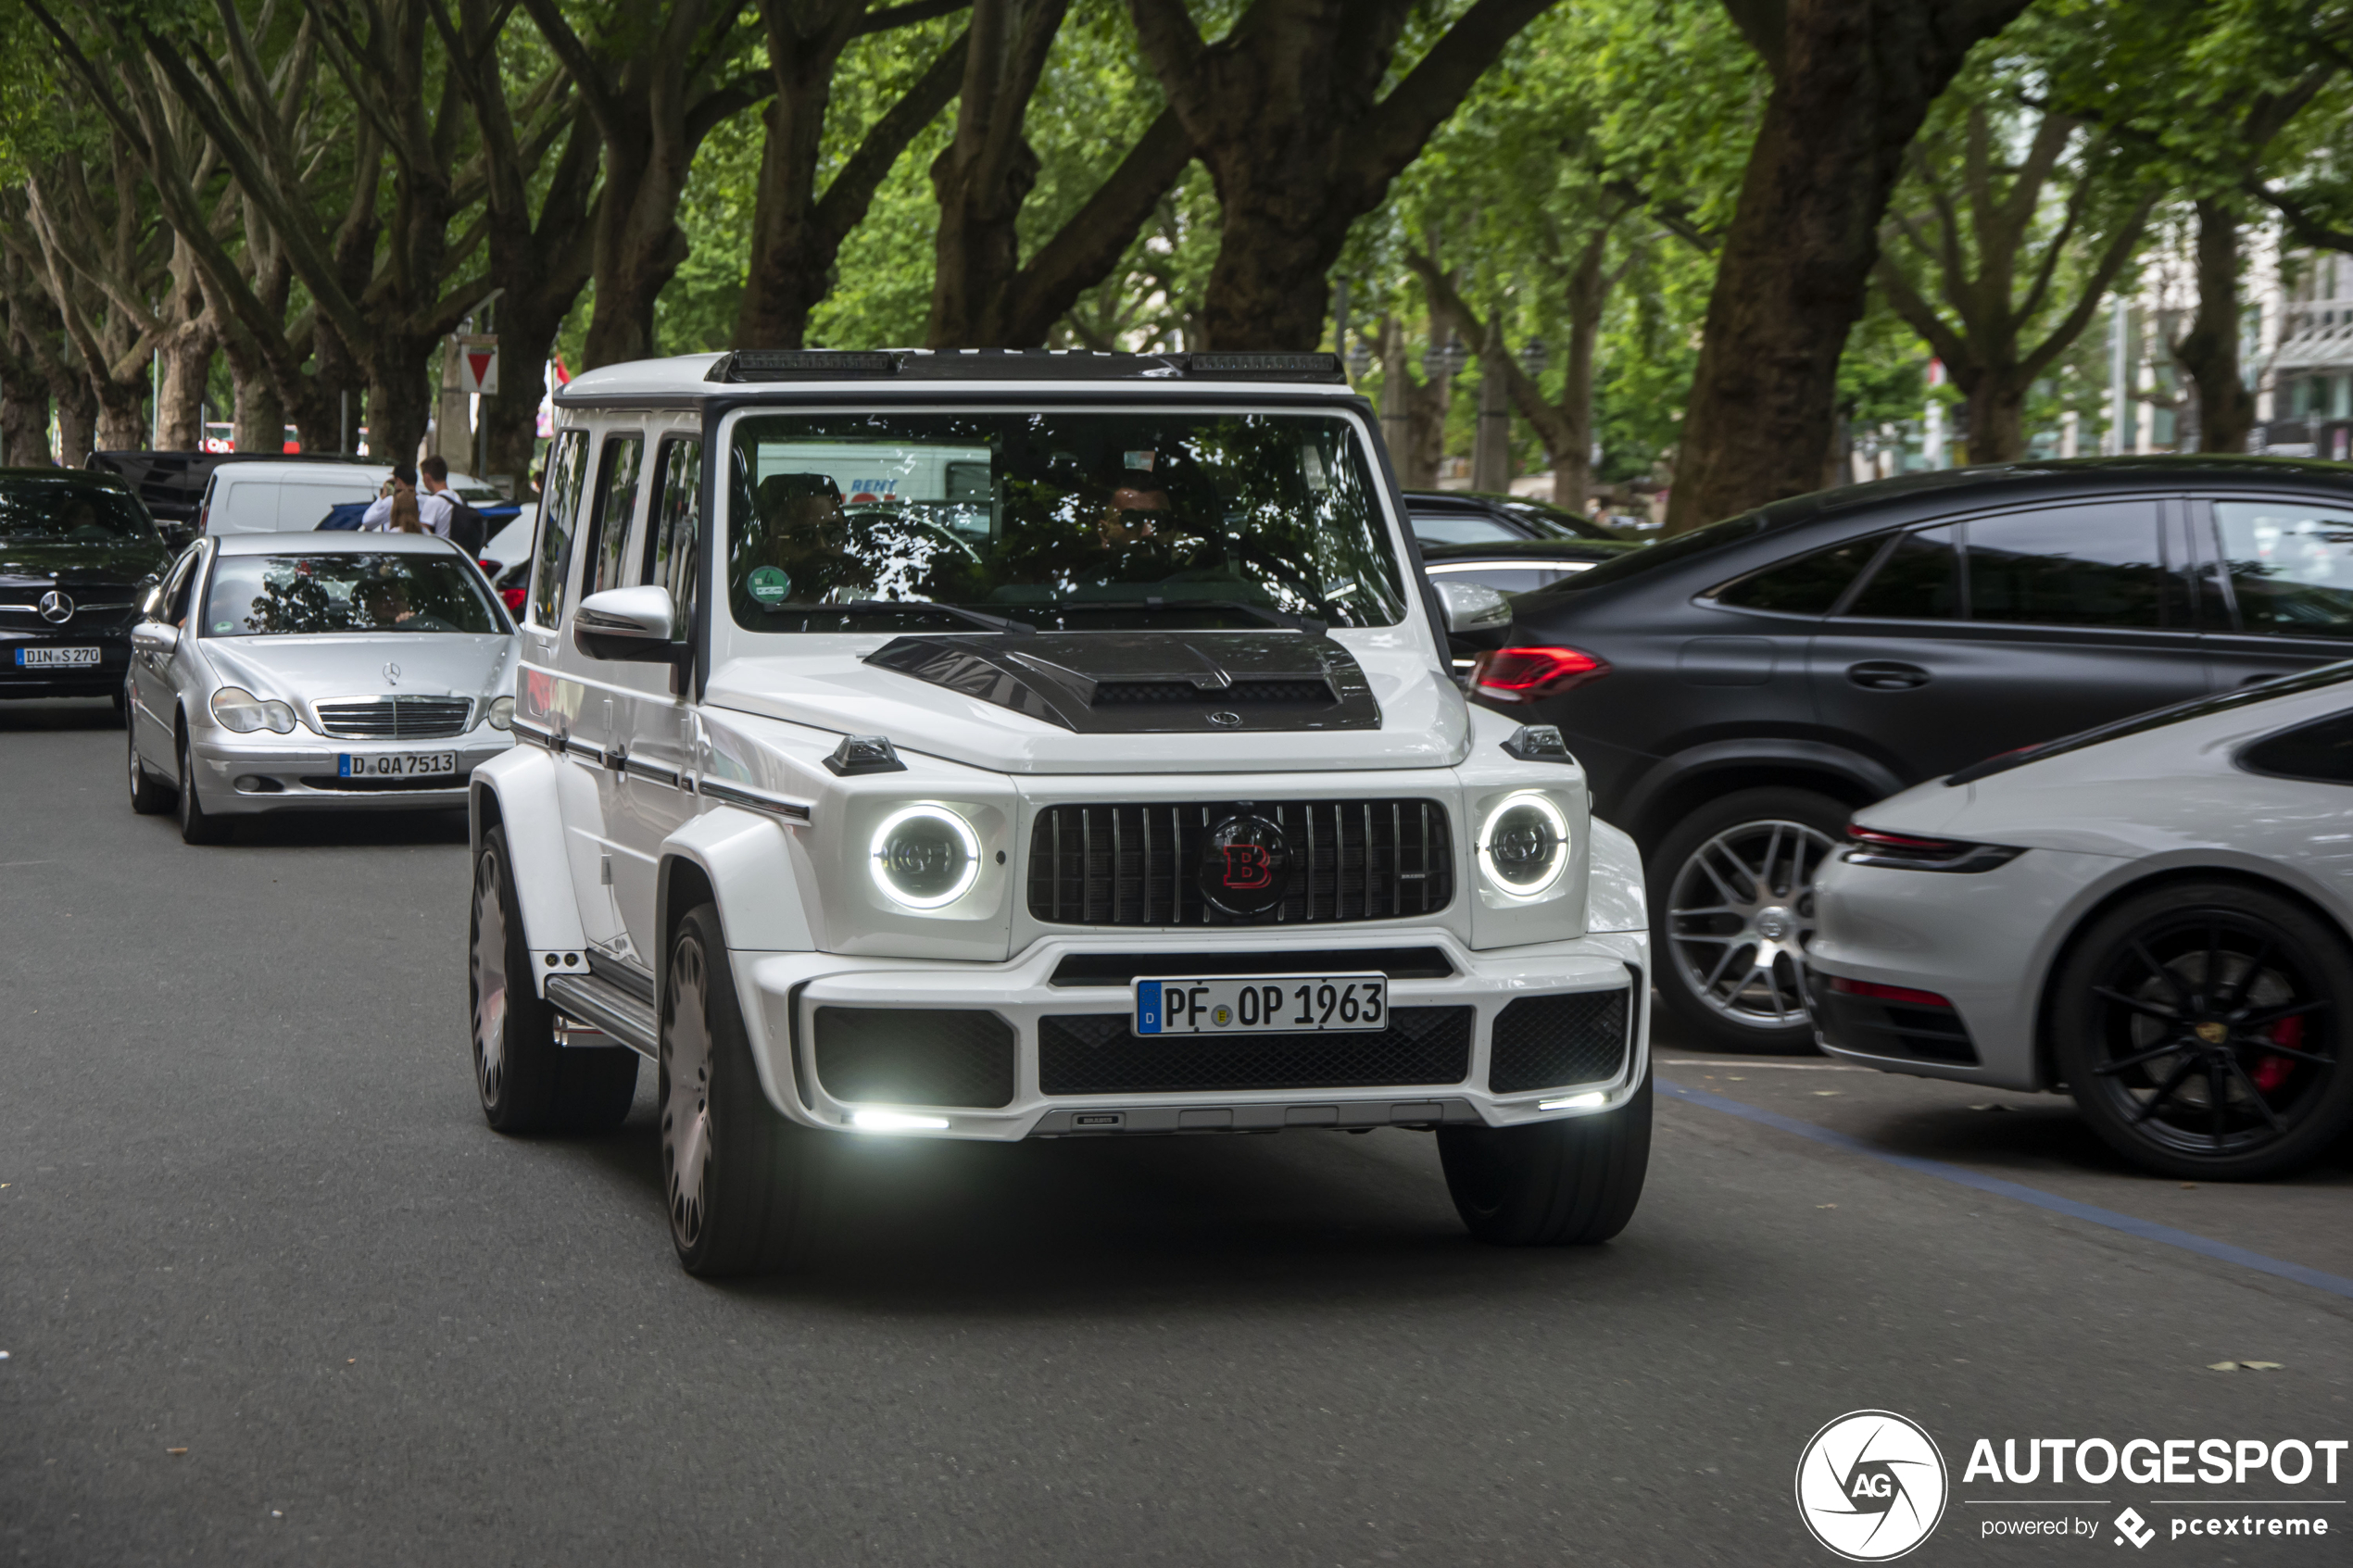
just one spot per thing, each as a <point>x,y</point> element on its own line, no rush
<point>1114,682</point>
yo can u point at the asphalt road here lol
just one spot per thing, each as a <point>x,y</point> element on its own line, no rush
<point>249,1211</point>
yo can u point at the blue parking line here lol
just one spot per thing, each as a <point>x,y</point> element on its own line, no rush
<point>2147,1230</point>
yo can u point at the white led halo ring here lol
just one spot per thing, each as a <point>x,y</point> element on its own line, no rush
<point>964,836</point>
<point>1552,814</point>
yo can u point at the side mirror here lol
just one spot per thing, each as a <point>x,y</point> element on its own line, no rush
<point>639,625</point>
<point>1473,608</point>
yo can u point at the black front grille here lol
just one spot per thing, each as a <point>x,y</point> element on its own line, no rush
<point>1099,1054</point>
<point>916,1056</point>
<point>395,718</point>
<point>1112,692</point>
<point>1550,1042</point>
<point>1135,865</point>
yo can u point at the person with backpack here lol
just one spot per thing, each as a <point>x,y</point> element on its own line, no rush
<point>464,526</point>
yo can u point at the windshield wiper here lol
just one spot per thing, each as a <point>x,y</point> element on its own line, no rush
<point>1266,613</point>
<point>925,606</point>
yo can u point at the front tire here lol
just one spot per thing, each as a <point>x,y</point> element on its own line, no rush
<point>1551,1184</point>
<point>744,1186</point>
<point>147,797</point>
<point>197,826</point>
<point>1733,913</point>
<point>2202,1029</point>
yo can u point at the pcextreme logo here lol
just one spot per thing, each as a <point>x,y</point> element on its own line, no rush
<point>1871,1486</point>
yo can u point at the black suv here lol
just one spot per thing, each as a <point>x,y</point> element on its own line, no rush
<point>77,551</point>
<point>1735,693</point>
<point>1507,542</point>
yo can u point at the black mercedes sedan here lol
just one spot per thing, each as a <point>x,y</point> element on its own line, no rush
<point>77,551</point>
<point>1736,692</point>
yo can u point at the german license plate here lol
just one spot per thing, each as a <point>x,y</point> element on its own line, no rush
<point>1261,1004</point>
<point>396,764</point>
<point>56,659</point>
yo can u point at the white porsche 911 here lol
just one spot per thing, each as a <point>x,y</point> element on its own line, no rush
<point>346,672</point>
<point>2152,916</point>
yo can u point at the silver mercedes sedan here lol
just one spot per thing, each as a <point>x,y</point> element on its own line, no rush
<point>272,671</point>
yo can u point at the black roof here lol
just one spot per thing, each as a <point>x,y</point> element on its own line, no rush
<point>2151,471</point>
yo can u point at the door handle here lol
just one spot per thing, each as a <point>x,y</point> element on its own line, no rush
<point>1886,675</point>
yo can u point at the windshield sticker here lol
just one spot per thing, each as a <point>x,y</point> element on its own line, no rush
<point>769,585</point>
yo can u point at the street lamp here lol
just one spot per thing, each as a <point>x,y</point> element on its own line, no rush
<point>1360,359</point>
<point>1440,363</point>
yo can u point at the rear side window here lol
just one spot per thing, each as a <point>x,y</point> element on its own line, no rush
<point>1459,528</point>
<point>2322,751</point>
<point>1918,580</point>
<point>2069,566</point>
<point>559,512</point>
<point>1808,585</point>
<point>670,548</point>
<point>616,503</point>
<point>2291,566</point>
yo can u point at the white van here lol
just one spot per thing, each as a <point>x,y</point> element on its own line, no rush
<point>271,497</point>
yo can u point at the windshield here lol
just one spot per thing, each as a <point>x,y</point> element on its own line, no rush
<point>295,596</point>
<point>1072,520</point>
<point>60,513</point>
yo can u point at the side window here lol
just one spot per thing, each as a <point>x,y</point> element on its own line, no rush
<point>1808,585</point>
<point>616,503</point>
<point>1918,580</point>
<point>2290,565</point>
<point>2322,751</point>
<point>1455,528</point>
<point>2072,566</point>
<point>182,581</point>
<point>559,512</point>
<point>670,546</point>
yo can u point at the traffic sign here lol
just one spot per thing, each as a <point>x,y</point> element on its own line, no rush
<point>478,364</point>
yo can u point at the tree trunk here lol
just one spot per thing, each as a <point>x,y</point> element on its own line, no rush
<point>1852,81</point>
<point>1572,457</point>
<point>77,419</point>
<point>122,416</point>
<point>1396,417</point>
<point>1997,431</point>
<point>399,400</point>
<point>1284,112</point>
<point>258,420</point>
<point>2209,351</point>
<point>1491,442</point>
<point>187,371</point>
<point>1426,407</point>
<point>985,173</point>
<point>24,422</point>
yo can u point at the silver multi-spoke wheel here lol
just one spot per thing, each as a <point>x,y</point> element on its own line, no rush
<point>1739,914</point>
<point>489,966</point>
<point>685,1092</point>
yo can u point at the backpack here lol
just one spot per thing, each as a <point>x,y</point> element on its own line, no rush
<point>469,530</point>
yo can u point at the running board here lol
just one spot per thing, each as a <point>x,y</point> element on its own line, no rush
<point>602,1005</point>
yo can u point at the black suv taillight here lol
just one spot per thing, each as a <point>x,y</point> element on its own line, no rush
<point>1532,674</point>
<point>1905,851</point>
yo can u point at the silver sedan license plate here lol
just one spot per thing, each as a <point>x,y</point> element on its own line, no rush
<point>56,659</point>
<point>396,764</point>
<point>1261,1004</point>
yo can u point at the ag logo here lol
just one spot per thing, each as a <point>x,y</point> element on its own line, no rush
<point>1245,865</point>
<point>1871,1486</point>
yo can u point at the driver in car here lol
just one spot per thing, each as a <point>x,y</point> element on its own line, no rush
<point>381,603</point>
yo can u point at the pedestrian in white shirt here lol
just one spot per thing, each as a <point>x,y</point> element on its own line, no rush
<point>432,509</point>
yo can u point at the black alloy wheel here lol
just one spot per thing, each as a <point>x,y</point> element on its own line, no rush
<point>2201,1028</point>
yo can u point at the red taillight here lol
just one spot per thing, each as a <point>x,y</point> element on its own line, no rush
<point>514,598</point>
<point>1529,674</point>
<point>1878,992</point>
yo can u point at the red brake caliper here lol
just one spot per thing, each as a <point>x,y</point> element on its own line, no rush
<point>2272,1070</point>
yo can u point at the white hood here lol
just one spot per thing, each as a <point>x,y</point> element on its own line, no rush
<point>1423,720</point>
<point>307,668</point>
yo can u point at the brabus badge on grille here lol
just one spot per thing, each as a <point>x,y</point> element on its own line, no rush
<point>1245,865</point>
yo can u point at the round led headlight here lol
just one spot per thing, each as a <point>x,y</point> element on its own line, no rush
<point>238,710</point>
<point>925,856</point>
<point>1523,846</point>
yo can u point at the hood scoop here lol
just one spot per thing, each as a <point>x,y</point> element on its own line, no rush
<point>1108,683</point>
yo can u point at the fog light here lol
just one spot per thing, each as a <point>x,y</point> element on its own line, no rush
<point>248,781</point>
<point>1573,1103</point>
<point>896,1121</point>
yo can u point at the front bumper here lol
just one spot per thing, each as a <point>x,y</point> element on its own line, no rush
<point>266,771</point>
<point>1983,941</point>
<point>784,991</point>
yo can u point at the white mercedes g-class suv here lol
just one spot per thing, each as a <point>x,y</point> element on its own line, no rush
<point>1024,744</point>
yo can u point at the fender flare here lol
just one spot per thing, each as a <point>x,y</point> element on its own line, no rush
<point>1819,757</point>
<point>518,786</point>
<point>755,870</point>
